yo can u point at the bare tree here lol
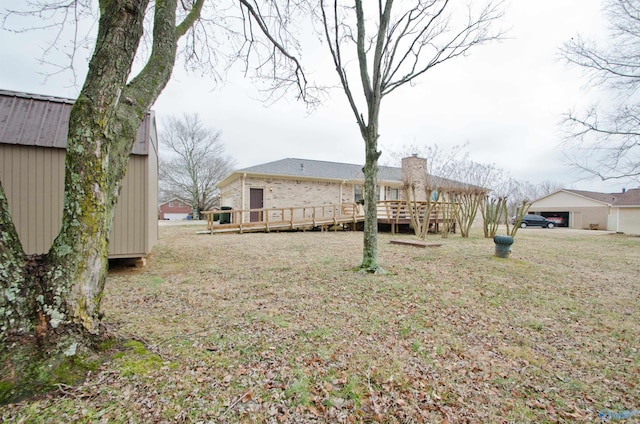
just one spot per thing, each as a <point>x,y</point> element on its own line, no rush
<point>194,164</point>
<point>393,44</point>
<point>606,139</point>
<point>492,211</point>
<point>51,303</point>
<point>469,191</point>
<point>425,189</point>
<point>420,212</point>
<point>456,188</point>
<point>501,203</point>
<point>520,211</point>
<point>475,187</point>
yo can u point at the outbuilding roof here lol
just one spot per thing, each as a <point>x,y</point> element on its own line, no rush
<point>39,120</point>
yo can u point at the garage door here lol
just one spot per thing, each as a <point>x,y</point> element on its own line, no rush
<point>560,218</point>
<point>175,216</point>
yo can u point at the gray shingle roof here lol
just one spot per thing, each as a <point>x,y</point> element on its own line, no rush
<point>628,198</point>
<point>295,167</point>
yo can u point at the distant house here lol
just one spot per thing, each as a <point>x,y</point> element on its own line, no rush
<point>33,139</point>
<point>174,209</point>
<point>579,209</point>
<point>302,182</point>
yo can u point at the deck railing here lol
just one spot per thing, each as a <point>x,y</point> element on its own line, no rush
<point>282,218</point>
<point>388,211</point>
<point>399,210</point>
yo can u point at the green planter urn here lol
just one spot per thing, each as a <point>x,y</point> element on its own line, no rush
<point>503,246</point>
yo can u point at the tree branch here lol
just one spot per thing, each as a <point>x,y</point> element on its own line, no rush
<point>300,77</point>
<point>334,47</point>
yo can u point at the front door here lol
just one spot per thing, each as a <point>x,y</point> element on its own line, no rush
<point>256,201</point>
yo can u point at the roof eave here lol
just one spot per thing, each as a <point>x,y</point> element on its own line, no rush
<point>237,174</point>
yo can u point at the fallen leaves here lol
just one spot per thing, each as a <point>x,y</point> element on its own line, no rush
<point>279,330</point>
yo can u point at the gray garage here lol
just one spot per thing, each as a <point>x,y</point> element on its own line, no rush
<point>592,210</point>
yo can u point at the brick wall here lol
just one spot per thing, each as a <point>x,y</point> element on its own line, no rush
<point>283,192</point>
<point>173,206</point>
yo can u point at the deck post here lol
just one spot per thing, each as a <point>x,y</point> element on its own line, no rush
<point>313,216</point>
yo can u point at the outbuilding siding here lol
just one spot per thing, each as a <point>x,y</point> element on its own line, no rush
<point>33,180</point>
<point>33,132</point>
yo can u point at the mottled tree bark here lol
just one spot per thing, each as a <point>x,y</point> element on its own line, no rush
<point>50,304</point>
<point>17,287</point>
<point>370,246</point>
<point>60,292</point>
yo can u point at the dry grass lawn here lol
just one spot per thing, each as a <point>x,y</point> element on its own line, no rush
<point>279,328</point>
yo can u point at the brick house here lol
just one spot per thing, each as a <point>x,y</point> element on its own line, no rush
<point>174,210</point>
<point>295,182</point>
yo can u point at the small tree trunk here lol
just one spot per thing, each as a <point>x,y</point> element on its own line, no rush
<point>370,249</point>
<point>491,209</point>
<point>410,199</point>
<point>465,209</point>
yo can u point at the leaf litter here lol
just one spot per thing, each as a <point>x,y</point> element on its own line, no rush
<point>277,328</point>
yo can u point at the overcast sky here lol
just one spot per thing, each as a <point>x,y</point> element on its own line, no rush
<point>505,100</point>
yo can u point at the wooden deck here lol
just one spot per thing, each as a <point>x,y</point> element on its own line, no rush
<point>345,215</point>
<point>284,219</point>
<point>397,213</point>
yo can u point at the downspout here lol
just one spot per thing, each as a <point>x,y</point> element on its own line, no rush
<point>242,196</point>
<point>340,195</point>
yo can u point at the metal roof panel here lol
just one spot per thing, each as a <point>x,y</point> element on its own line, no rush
<point>37,120</point>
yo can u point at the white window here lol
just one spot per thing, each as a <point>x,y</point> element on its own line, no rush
<point>357,193</point>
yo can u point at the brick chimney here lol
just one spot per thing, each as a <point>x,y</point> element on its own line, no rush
<point>414,172</point>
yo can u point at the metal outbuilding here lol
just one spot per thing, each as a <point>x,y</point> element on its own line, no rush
<point>33,139</point>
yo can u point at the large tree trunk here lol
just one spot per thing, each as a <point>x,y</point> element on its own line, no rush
<point>17,286</point>
<point>67,283</point>
<point>102,129</point>
<point>54,299</point>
